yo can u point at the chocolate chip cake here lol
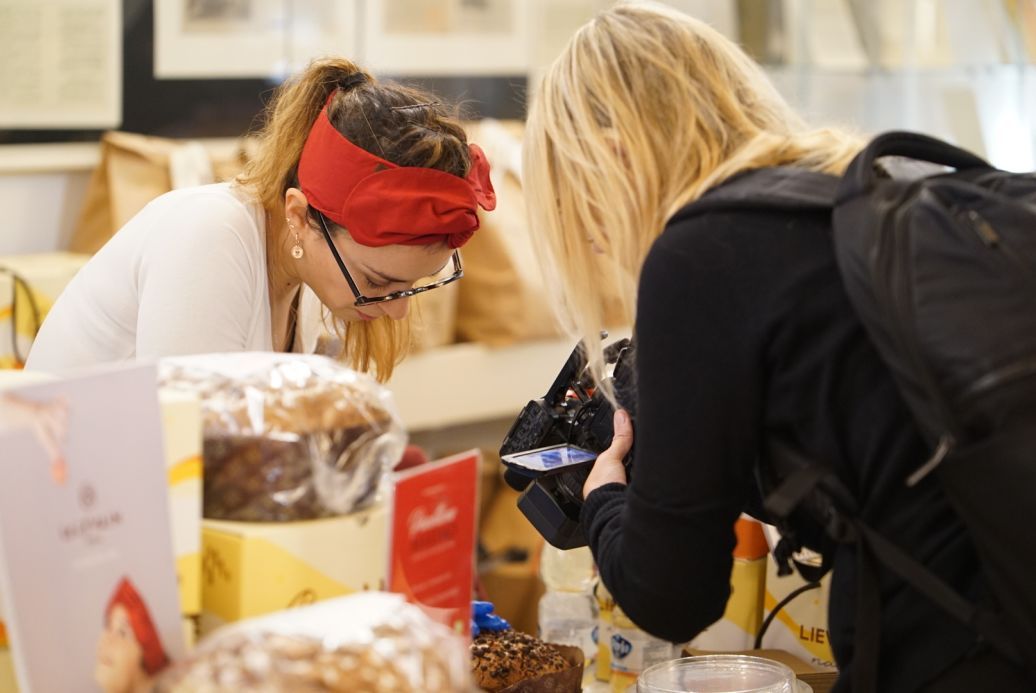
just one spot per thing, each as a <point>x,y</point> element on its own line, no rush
<point>503,658</point>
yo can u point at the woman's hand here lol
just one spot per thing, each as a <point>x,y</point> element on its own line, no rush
<point>608,467</point>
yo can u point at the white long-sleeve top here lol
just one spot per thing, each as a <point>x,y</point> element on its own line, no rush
<point>186,275</point>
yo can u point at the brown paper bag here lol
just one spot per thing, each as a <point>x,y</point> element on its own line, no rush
<point>134,169</point>
<point>502,298</point>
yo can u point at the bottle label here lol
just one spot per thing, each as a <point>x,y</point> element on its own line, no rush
<point>632,651</point>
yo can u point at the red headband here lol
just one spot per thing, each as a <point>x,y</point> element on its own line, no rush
<point>154,656</point>
<point>381,203</point>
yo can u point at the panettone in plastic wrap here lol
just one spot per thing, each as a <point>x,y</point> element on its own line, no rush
<point>374,642</point>
<point>287,436</point>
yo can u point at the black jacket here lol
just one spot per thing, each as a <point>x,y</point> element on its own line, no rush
<point>744,329</point>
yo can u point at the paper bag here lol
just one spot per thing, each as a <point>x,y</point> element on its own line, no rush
<point>135,169</point>
<point>502,295</point>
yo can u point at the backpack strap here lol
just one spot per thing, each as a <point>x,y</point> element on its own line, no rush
<point>862,172</point>
<point>814,488</point>
<point>785,188</point>
<point>981,620</point>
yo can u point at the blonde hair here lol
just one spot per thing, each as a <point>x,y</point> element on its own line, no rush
<point>644,111</point>
<point>406,126</point>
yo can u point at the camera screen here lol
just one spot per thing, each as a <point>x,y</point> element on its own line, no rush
<point>547,459</point>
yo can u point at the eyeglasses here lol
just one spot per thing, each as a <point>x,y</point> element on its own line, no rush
<point>361,300</point>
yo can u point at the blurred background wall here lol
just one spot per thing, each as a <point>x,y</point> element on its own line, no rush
<point>959,69</point>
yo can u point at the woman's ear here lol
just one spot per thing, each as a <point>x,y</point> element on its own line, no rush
<point>296,210</point>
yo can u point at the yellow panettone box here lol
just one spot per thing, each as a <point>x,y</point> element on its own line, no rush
<point>743,615</point>
<point>254,568</point>
<point>801,626</point>
<point>29,285</point>
<point>7,681</point>
<point>181,423</point>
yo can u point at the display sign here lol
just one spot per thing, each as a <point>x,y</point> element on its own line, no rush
<point>432,547</point>
<point>87,576</point>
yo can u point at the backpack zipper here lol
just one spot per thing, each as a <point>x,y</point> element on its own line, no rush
<point>898,287</point>
<point>1002,376</point>
<point>900,290</point>
<point>991,239</point>
<point>946,444</point>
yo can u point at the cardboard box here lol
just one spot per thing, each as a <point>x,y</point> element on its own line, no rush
<point>45,276</point>
<point>181,423</point>
<point>252,568</point>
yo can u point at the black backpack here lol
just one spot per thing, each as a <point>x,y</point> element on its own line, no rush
<point>940,265</point>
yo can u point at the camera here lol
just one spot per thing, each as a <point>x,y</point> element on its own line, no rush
<point>552,444</point>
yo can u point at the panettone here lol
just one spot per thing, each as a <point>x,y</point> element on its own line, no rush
<point>503,659</point>
<point>368,642</point>
<point>287,437</point>
<point>284,663</point>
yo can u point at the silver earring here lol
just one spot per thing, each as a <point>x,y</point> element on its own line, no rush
<point>296,250</point>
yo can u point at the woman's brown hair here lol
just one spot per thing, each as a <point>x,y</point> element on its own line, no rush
<point>401,124</point>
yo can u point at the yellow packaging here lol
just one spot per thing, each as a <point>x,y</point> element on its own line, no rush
<point>744,611</point>
<point>190,631</point>
<point>800,627</point>
<point>254,568</point>
<point>181,424</point>
<point>8,683</point>
<point>45,276</point>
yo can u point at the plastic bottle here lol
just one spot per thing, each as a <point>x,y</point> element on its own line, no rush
<point>567,612</point>
<point>633,651</point>
<point>603,632</point>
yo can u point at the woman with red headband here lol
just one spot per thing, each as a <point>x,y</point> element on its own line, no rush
<point>361,190</point>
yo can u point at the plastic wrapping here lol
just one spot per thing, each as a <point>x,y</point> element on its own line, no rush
<point>288,437</point>
<point>363,643</point>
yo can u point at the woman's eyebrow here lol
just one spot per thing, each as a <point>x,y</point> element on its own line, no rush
<point>392,280</point>
<point>384,277</point>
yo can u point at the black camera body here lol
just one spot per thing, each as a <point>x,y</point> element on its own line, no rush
<point>572,412</point>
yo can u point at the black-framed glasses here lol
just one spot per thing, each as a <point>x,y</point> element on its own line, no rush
<point>361,300</point>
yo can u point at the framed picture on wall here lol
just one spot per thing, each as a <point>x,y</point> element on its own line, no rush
<point>62,64</point>
<point>447,37</point>
<point>215,39</point>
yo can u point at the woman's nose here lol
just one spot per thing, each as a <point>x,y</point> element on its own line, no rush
<point>398,309</point>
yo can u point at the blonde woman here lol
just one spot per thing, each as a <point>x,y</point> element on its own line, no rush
<point>361,188</point>
<point>742,330</point>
